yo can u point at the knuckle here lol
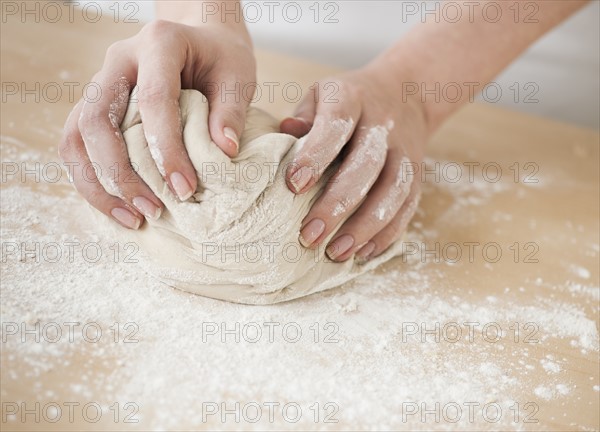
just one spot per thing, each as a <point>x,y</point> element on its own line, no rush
<point>308,158</point>
<point>398,190</point>
<point>90,115</point>
<point>114,50</point>
<point>333,108</point>
<point>339,89</point>
<point>337,206</point>
<point>364,228</point>
<point>337,122</point>
<point>97,197</point>
<point>80,188</point>
<point>234,114</point>
<point>66,147</point>
<point>408,210</point>
<point>68,143</point>
<point>416,191</point>
<point>402,191</point>
<point>88,188</point>
<point>316,155</point>
<point>156,28</point>
<point>382,243</point>
<point>83,120</point>
<point>371,151</point>
<point>392,231</point>
<point>345,88</point>
<point>153,93</point>
<point>129,179</point>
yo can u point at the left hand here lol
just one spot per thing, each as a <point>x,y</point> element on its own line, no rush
<point>383,136</point>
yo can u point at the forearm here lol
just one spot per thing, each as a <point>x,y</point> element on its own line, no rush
<point>195,13</point>
<point>470,52</point>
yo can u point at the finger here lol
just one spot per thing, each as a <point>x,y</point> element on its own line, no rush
<point>159,84</point>
<point>81,172</point>
<point>99,126</point>
<point>333,126</point>
<point>394,230</point>
<point>304,116</point>
<point>295,126</point>
<point>384,200</point>
<point>227,115</point>
<point>347,188</point>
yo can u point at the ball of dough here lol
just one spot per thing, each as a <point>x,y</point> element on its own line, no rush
<point>236,238</point>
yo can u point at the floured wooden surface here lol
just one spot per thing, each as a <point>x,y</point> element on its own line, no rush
<point>360,361</point>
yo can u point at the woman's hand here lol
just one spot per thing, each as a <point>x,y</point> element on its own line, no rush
<point>383,131</point>
<point>382,137</point>
<point>161,59</point>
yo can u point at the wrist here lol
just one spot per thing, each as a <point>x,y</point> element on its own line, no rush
<point>227,15</point>
<point>399,81</point>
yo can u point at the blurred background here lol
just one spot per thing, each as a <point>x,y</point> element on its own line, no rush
<point>558,77</point>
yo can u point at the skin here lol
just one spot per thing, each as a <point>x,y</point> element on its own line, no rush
<point>162,58</point>
<point>377,124</point>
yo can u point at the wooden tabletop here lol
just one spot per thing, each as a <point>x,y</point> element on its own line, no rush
<point>533,198</point>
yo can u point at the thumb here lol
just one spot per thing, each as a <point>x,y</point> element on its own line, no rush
<point>226,119</point>
<point>304,117</point>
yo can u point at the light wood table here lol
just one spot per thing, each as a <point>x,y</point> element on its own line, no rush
<point>552,282</point>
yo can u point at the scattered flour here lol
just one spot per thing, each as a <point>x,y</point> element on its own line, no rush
<point>581,272</point>
<point>156,154</point>
<point>355,349</point>
<point>550,366</point>
<point>543,392</point>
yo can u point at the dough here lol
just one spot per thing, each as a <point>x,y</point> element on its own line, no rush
<point>236,238</point>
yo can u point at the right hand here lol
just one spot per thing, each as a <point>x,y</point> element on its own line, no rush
<point>161,59</point>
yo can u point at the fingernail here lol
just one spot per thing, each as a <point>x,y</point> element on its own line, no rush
<point>125,217</point>
<point>300,178</point>
<point>340,246</point>
<point>147,207</point>
<point>311,232</point>
<point>364,254</point>
<point>181,186</point>
<point>232,136</point>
